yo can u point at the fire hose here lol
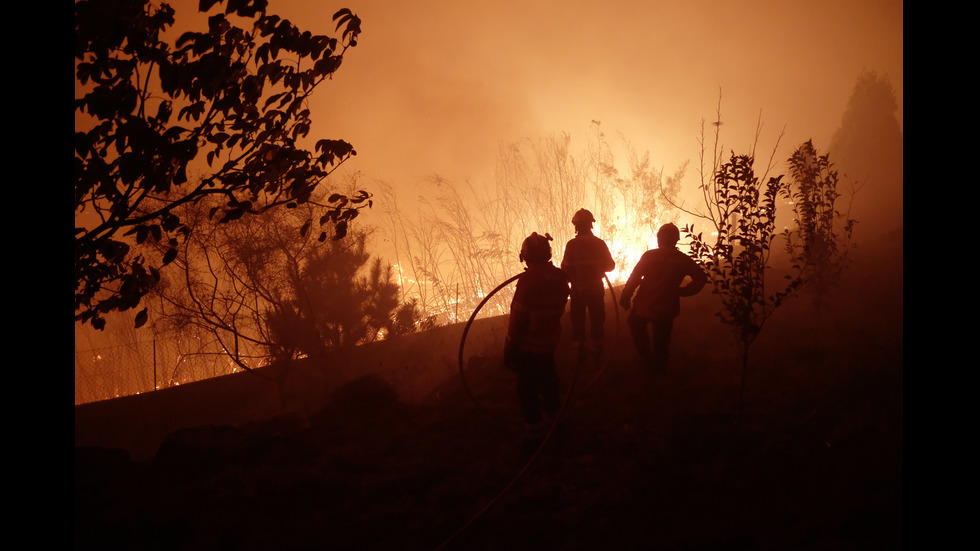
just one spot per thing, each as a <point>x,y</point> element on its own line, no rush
<point>558,416</point>
<point>469,323</point>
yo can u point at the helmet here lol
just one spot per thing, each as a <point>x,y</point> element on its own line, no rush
<point>668,233</point>
<point>536,248</point>
<point>583,216</point>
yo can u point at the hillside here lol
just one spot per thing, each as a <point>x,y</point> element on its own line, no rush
<point>391,452</point>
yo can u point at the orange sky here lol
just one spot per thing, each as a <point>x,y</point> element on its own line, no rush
<point>433,86</point>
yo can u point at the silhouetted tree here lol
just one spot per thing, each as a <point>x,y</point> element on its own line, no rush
<point>868,149</point>
<point>740,208</point>
<point>820,241</point>
<point>262,289</point>
<point>737,260</point>
<point>228,103</point>
<point>336,305</point>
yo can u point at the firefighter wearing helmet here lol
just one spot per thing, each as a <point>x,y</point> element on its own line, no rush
<point>536,249</point>
<point>533,332</point>
<point>586,260</point>
<point>583,216</point>
<point>657,281</point>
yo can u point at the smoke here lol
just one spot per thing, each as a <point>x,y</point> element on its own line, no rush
<point>434,85</point>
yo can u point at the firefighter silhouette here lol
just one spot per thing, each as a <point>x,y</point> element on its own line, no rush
<point>585,262</point>
<point>657,280</point>
<point>533,332</point>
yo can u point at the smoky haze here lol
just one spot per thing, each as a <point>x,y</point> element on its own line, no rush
<point>434,86</point>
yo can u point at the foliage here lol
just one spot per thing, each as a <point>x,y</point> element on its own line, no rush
<point>819,242</point>
<point>868,150</point>
<point>229,102</point>
<point>741,209</point>
<point>870,112</point>
<point>737,261</point>
<point>333,307</point>
<point>258,292</point>
<point>740,206</point>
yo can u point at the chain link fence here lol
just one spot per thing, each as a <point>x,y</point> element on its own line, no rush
<point>126,368</point>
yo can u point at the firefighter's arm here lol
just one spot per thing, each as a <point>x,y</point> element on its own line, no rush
<point>698,280</point>
<point>626,296</point>
<point>609,263</point>
<point>631,284</point>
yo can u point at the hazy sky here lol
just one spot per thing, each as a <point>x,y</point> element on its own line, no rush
<point>433,86</point>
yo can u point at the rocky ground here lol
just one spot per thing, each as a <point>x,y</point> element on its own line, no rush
<point>814,462</point>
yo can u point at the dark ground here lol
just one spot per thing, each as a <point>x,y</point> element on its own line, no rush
<point>637,462</point>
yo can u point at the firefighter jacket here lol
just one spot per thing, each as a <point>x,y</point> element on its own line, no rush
<point>586,260</point>
<point>536,310</point>
<point>657,279</point>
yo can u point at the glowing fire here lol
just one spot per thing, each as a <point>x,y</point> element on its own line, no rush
<point>626,246</point>
<point>627,253</point>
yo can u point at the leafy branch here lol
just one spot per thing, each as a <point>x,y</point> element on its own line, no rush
<point>229,102</point>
